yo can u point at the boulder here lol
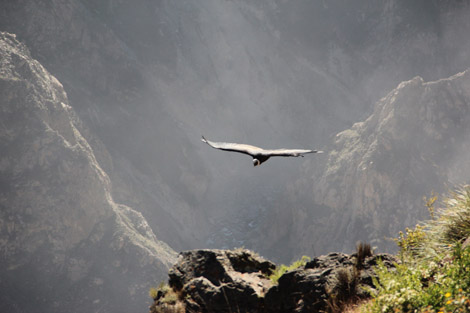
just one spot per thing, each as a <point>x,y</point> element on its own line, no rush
<point>312,287</point>
<point>221,281</point>
<point>238,281</point>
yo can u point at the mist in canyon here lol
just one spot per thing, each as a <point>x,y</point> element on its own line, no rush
<point>145,79</point>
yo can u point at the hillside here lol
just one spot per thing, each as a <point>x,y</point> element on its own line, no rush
<point>104,104</point>
<point>64,242</point>
<point>430,274</point>
<point>378,171</point>
<point>148,78</point>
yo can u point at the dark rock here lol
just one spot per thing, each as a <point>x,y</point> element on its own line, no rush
<point>333,259</point>
<point>221,281</point>
<point>308,289</point>
<point>229,297</point>
<point>245,262</point>
<point>193,264</point>
<point>237,281</point>
<point>302,290</point>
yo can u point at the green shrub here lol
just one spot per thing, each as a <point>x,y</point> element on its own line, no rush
<point>279,271</point>
<point>411,242</point>
<point>167,294</point>
<point>429,287</point>
<point>435,238</point>
<point>434,275</point>
<point>166,300</point>
<point>153,292</point>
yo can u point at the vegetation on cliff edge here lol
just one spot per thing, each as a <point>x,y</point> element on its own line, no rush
<point>434,274</point>
<point>282,269</point>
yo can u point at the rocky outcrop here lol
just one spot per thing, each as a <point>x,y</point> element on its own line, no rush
<point>317,287</point>
<point>414,143</point>
<point>103,53</point>
<point>238,281</point>
<point>65,244</point>
<point>148,77</point>
<point>221,281</point>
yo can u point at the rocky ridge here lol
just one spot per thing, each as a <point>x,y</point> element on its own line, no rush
<point>238,281</point>
<point>414,143</point>
<point>100,53</point>
<point>104,53</point>
<point>64,242</point>
<point>146,76</point>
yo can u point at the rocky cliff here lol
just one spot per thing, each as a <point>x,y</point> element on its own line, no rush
<point>65,244</point>
<point>103,55</point>
<point>377,173</point>
<point>239,281</point>
<point>149,77</point>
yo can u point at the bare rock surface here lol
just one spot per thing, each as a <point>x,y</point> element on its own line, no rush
<point>65,244</point>
<point>309,288</point>
<point>238,281</point>
<point>378,171</point>
<point>148,77</point>
<point>220,280</point>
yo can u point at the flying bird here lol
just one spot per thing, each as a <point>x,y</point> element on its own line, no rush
<point>259,155</point>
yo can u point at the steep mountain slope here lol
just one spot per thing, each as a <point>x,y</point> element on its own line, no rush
<point>106,78</point>
<point>65,244</point>
<point>149,77</point>
<point>415,142</point>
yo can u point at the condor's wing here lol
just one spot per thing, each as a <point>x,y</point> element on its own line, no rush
<point>290,152</point>
<point>234,147</point>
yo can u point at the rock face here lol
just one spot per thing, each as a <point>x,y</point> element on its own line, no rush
<point>148,77</point>
<point>65,244</point>
<point>415,142</point>
<point>312,288</point>
<point>221,281</point>
<point>238,281</point>
<point>103,54</point>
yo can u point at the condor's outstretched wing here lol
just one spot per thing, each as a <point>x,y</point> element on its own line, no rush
<point>256,151</point>
<point>235,147</point>
<point>290,152</point>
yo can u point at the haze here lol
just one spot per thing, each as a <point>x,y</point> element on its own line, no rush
<point>148,78</point>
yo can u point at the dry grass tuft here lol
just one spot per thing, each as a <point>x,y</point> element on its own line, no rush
<point>344,290</point>
<point>363,251</point>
